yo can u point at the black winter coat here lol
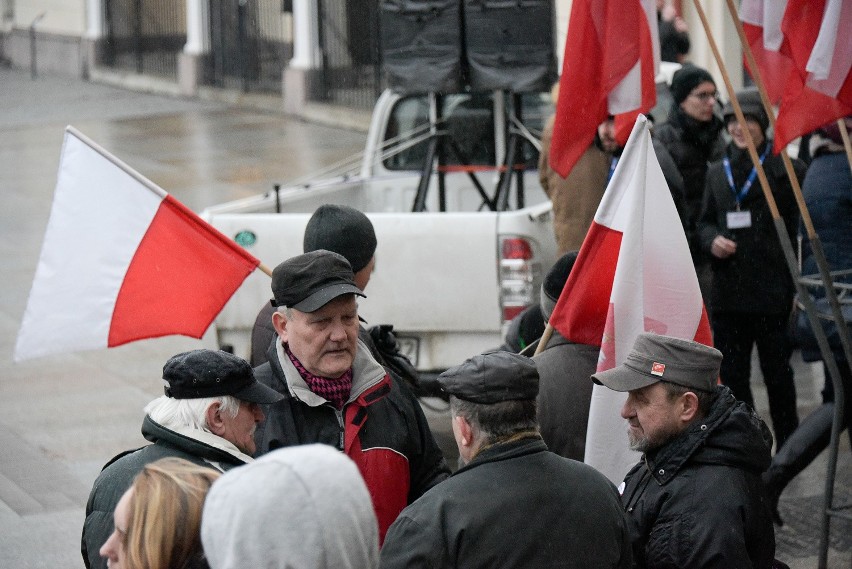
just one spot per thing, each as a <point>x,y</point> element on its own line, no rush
<point>699,501</point>
<point>118,474</point>
<point>381,428</point>
<point>756,278</point>
<point>514,505</point>
<point>692,145</point>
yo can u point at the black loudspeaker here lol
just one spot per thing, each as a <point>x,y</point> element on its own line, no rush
<point>421,45</point>
<point>510,45</point>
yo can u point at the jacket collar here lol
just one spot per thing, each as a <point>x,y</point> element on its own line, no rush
<point>366,375</point>
<point>208,446</point>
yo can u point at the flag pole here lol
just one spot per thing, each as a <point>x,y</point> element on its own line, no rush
<point>841,123</point>
<point>545,338</point>
<point>815,242</point>
<point>816,246</point>
<point>265,269</point>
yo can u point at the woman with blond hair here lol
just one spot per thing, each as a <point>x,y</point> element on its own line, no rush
<point>157,521</point>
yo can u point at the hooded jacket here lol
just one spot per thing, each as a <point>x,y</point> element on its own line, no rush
<point>194,445</point>
<point>303,506</point>
<point>698,501</point>
<point>381,428</point>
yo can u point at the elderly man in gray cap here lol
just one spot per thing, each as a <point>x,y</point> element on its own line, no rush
<point>207,416</point>
<point>696,498</point>
<point>514,503</point>
<point>336,393</point>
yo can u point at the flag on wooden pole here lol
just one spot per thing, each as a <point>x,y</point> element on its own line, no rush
<point>633,273</point>
<point>818,41</point>
<point>122,260</point>
<point>612,54</point>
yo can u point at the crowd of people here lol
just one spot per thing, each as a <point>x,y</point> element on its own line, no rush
<point>318,453</point>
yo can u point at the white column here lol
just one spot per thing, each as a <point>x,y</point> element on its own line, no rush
<point>305,35</point>
<point>95,25</point>
<point>197,27</point>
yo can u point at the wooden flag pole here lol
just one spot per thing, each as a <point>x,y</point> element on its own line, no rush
<point>841,123</point>
<point>815,243</point>
<point>545,338</point>
<point>816,246</point>
<point>265,269</point>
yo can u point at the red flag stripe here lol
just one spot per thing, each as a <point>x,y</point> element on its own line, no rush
<point>182,274</point>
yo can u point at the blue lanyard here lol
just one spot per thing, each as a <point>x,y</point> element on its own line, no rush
<point>612,166</point>
<point>738,196</point>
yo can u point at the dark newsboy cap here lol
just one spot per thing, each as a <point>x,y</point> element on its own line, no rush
<point>663,358</point>
<point>344,230</point>
<point>213,373</point>
<point>310,281</point>
<point>492,377</point>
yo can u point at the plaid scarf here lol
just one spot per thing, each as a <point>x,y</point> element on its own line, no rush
<point>335,391</point>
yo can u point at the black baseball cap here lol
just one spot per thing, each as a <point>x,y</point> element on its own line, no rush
<point>310,281</point>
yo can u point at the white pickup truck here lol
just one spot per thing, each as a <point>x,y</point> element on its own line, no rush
<point>455,262</point>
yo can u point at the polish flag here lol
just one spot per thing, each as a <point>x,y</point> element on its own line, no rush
<point>122,260</point>
<point>761,21</point>
<point>818,41</point>
<point>633,273</point>
<point>612,54</point>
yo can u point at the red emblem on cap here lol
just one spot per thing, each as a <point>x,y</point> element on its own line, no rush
<point>658,368</point>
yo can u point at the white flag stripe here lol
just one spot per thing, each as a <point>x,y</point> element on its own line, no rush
<point>831,57</point>
<point>98,213</point>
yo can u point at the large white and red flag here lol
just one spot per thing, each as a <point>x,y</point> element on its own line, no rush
<point>633,273</point>
<point>122,260</point>
<point>818,41</point>
<point>761,21</point>
<point>612,53</point>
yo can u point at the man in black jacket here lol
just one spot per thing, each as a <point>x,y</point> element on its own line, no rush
<point>336,393</point>
<point>696,497</point>
<point>207,416</point>
<point>514,504</point>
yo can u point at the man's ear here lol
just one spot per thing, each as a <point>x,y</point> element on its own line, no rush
<point>214,418</point>
<point>279,322</point>
<point>689,407</point>
<point>465,431</point>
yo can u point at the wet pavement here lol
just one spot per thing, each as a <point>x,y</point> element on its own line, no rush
<point>63,417</point>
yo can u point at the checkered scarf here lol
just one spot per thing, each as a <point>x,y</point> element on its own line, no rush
<point>335,391</point>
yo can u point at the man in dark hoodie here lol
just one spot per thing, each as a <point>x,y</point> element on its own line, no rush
<point>696,497</point>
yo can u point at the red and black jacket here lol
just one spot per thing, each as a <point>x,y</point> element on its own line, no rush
<point>381,428</point>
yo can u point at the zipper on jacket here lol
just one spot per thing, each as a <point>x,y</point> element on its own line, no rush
<point>340,428</point>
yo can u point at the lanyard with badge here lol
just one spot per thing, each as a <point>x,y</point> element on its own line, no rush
<point>612,164</point>
<point>741,219</point>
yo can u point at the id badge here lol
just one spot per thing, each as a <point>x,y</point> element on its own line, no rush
<point>739,219</point>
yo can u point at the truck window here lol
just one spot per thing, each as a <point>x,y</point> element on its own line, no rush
<point>535,110</point>
<point>468,119</point>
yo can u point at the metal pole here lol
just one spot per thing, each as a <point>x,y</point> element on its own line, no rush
<point>33,69</point>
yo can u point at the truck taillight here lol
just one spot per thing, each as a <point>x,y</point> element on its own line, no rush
<point>518,274</point>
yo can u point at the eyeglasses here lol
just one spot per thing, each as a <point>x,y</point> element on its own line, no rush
<point>704,97</point>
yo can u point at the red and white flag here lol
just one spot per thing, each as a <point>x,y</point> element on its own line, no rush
<point>633,273</point>
<point>761,21</point>
<point>122,260</point>
<point>612,53</point>
<point>818,41</point>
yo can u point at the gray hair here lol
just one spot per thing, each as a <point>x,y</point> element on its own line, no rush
<point>705,398</point>
<point>286,311</point>
<point>496,421</point>
<point>175,413</point>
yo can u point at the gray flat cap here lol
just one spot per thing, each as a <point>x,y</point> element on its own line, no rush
<point>492,377</point>
<point>663,358</point>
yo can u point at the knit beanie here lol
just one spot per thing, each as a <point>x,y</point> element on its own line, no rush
<point>751,105</point>
<point>342,230</point>
<point>686,79</point>
<point>554,282</point>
